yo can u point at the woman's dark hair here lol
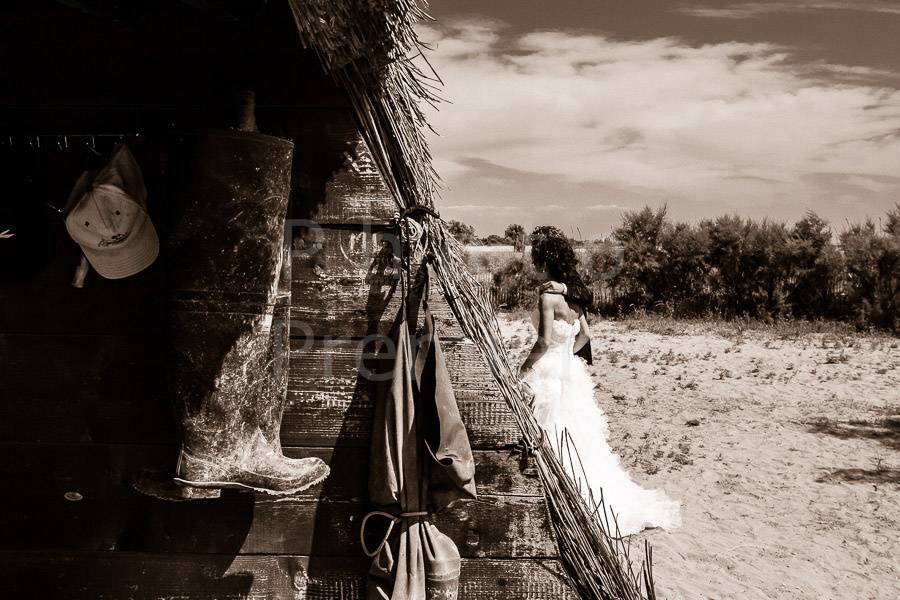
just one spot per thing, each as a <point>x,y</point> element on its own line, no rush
<point>551,248</point>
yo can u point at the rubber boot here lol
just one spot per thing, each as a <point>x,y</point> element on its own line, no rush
<point>229,363</point>
<point>278,355</point>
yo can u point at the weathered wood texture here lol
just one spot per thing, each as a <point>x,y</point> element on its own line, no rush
<point>345,283</point>
<point>330,399</point>
<point>493,526</point>
<point>98,388</point>
<point>497,473</point>
<point>326,193</point>
<point>95,470</point>
<point>82,388</point>
<point>334,178</point>
<point>138,576</point>
<point>85,409</point>
<point>108,514</point>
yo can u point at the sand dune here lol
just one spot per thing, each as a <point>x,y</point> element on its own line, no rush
<point>784,452</point>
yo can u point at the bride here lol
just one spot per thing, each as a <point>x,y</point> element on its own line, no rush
<point>564,404</point>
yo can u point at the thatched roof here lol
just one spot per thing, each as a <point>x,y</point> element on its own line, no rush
<point>371,49</point>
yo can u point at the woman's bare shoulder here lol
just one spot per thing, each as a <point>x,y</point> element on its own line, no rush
<point>548,292</point>
<point>549,298</point>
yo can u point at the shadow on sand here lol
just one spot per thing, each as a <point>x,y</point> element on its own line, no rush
<point>885,431</point>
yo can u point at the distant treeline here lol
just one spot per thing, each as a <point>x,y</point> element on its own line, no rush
<point>734,267</point>
<point>514,235</point>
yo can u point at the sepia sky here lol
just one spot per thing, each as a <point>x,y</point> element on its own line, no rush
<point>572,111</point>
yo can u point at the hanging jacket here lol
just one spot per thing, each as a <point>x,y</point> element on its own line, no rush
<point>420,463</point>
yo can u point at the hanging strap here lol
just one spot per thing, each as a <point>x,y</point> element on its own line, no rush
<point>387,534</point>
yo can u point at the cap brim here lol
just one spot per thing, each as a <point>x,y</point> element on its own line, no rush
<point>132,256</point>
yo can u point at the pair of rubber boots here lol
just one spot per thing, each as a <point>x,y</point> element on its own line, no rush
<point>229,266</point>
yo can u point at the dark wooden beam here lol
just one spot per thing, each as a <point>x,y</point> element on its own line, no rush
<point>94,9</point>
<point>211,8</point>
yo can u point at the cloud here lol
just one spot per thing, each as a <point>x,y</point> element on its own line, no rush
<point>749,10</point>
<point>606,207</point>
<point>480,207</point>
<point>703,128</point>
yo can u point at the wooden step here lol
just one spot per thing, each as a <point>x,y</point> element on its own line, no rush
<point>50,471</point>
<point>80,498</point>
<point>140,576</point>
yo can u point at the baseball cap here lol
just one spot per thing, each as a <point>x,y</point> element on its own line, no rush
<point>108,218</point>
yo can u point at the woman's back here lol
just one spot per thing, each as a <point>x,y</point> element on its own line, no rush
<point>563,310</point>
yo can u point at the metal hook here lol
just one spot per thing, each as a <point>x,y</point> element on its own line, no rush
<point>94,150</point>
<point>55,208</point>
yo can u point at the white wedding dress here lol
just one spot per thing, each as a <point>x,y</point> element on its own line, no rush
<point>564,401</point>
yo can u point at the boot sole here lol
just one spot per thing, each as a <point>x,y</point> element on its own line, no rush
<point>160,485</point>
<point>244,486</point>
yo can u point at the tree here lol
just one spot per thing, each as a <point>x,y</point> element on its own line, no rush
<point>873,270</point>
<point>515,233</point>
<point>768,262</point>
<point>640,279</point>
<point>494,240</point>
<point>515,282</point>
<point>465,234</point>
<point>892,227</point>
<point>743,255</point>
<point>815,264</point>
<point>684,266</point>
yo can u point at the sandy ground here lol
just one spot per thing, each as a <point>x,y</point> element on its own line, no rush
<point>784,451</point>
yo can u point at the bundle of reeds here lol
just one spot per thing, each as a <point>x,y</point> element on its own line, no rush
<point>371,49</point>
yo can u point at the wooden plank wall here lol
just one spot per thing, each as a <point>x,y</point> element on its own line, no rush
<point>83,402</point>
<point>85,411</point>
<point>344,295</point>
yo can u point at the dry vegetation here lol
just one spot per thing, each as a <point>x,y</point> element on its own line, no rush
<point>782,440</point>
<point>728,267</point>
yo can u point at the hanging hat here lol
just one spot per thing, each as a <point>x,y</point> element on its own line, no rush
<point>108,218</point>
